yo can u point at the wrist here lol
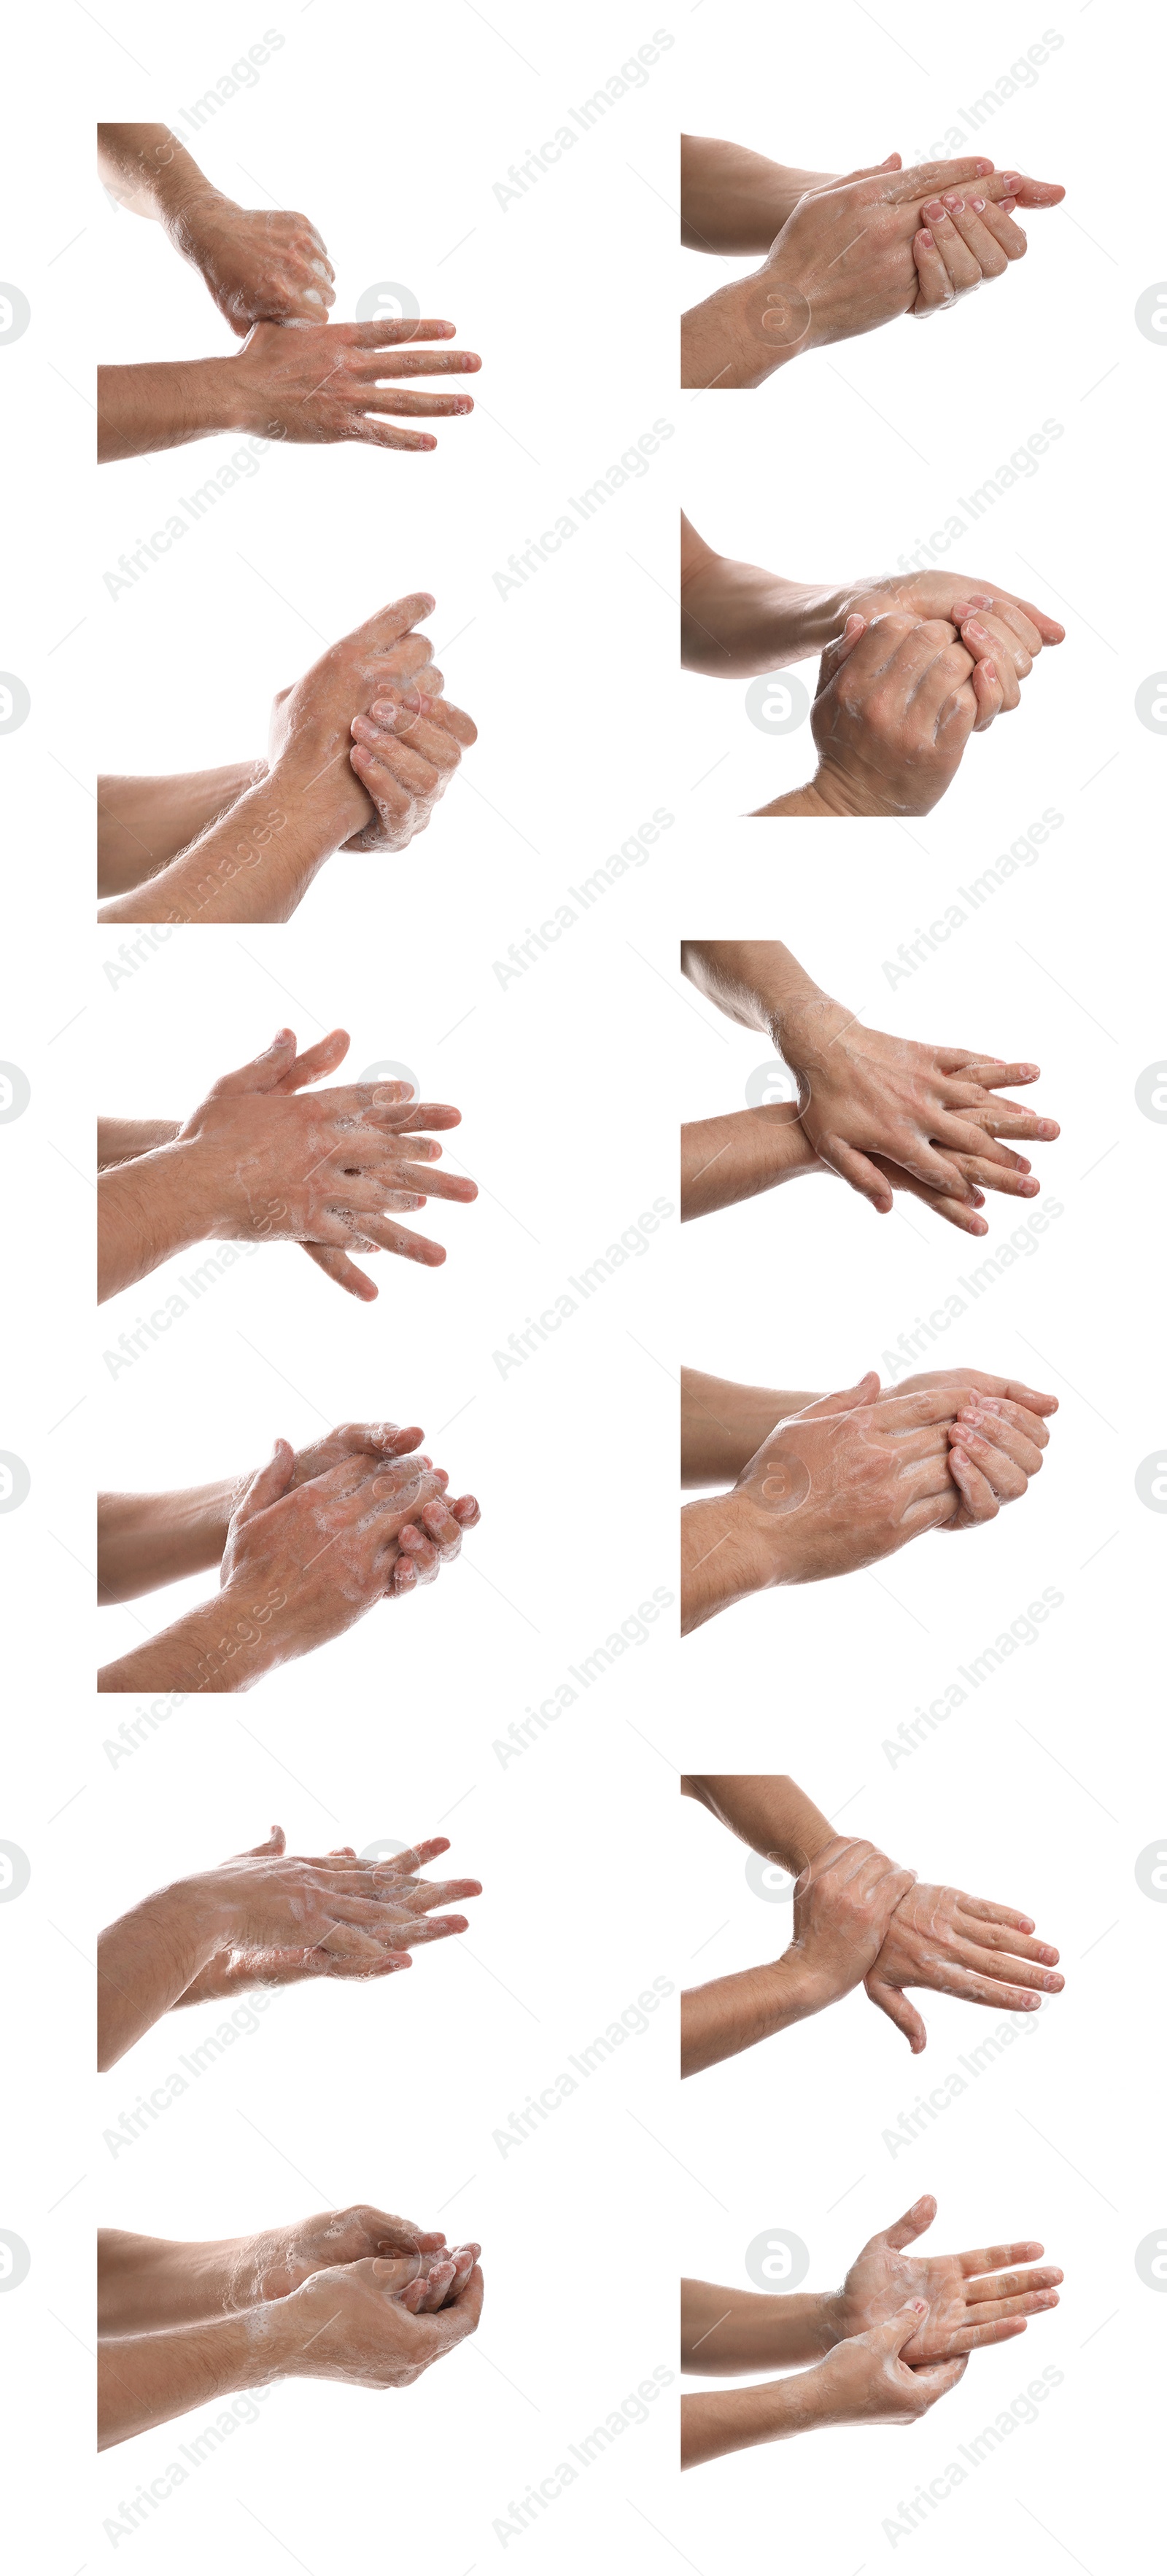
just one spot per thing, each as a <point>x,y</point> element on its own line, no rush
<point>723,344</point>
<point>723,1557</point>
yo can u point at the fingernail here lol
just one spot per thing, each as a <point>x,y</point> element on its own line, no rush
<point>955,205</point>
<point>926,239</point>
<point>1007,204</point>
<point>984,169</point>
<point>1011,179</point>
<point>975,627</point>
<point>978,205</point>
<point>934,210</point>
<point>990,670</point>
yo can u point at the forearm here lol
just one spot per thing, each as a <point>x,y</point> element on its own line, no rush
<point>147,1540</point>
<point>146,2284</point>
<point>756,982</point>
<point>736,2419</point>
<point>739,336</point>
<point>734,2013</point>
<point>721,1562</point>
<point>143,822</point>
<point>737,619</point>
<point>224,1645</point>
<point>738,2330</point>
<point>733,201</point>
<point>724,1160</point>
<point>723,1425</point>
<point>146,1961</point>
<point>149,1208</point>
<point>144,408</point>
<point>144,2380</point>
<point>254,865</point>
<point>122,1140</point>
<point>768,1811</point>
<point>148,171</point>
<point>832,798</point>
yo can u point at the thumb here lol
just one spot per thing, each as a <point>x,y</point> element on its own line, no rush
<point>893,2001</point>
<point>276,1844</point>
<point>264,1071</point>
<point>838,651</point>
<point>876,169</point>
<point>316,1060</point>
<point>915,2222</point>
<point>857,1170</point>
<point>844,1401</point>
<point>896,2331</point>
<point>267,1484</point>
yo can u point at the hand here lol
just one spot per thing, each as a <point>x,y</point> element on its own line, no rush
<point>996,1440</point>
<point>405,763</point>
<point>960,2300</point>
<point>897,700</point>
<point>257,267</point>
<point>303,1562</point>
<point>847,1481</point>
<point>846,260</point>
<point>863,1093</point>
<point>865,2381</point>
<point>315,387</point>
<point>844,1903</point>
<point>274,2264</point>
<point>310,741</point>
<point>994,622</point>
<point>959,1945</point>
<point>286,1919</point>
<point>331,1168</point>
<point>428,1543</point>
<point>371,2321</point>
<point>969,236</point>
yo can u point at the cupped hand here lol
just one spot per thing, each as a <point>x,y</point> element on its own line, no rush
<point>897,700</point>
<point>331,1168</point>
<point>277,2262</point>
<point>847,1481</point>
<point>315,386</point>
<point>865,2380</point>
<point>283,1918</point>
<point>310,737</point>
<point>844,1903</point>
<point>992,623</point>
<point>257,267</point>
<point>303,1562</point>
<point>863,1093</point>
<point>959,1945</point>
<point>846,259</point>
<point>996,1437</point>
<point>967,2299</point>
<point>370,2321</point>
<point>426,1544</point>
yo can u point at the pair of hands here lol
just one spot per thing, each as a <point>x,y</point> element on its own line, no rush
<point>361,2296</point>
<point>906,2323</point>
<point>861,1919</point>
<point>365,738</point>
<point>327,1169</point>
<point>851,1478</point>
<point>886,1113</point>
<point>325,1532</point>
<point>859,250</point>
<point>280,1918</point>
<point>899,694</point>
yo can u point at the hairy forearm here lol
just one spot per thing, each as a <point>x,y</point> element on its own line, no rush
<point>144,2380</point>
<point>144,822</point>
<point>734,2013</point>
<point>738,1156</point>
<point>146,2284</point>
<point>144,408</point>
<point>149,1208</point>
<point>723,344</point>
<point>733,201</point>
<point>147,1540</point>
<point>225,1645</point>
<point>123,1140</point>
<point>754,981</point>
<point>766,1810</point>
<point>146,1961</point>
<point>148,171</point>
<point>736,2419</point>
<point>723,1424</point>
<point>254,865</point>
<point>737,619</point>
<point>739,2330</point>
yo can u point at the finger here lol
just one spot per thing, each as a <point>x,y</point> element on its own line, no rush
<point>1004,2294</point>
<point>979,237</point>
<point>976,2260</point>
<point>264,1072</point>
<point>417,776</point>
<point>460,2316</point>
<point>276,1844</point>
<point>935,289</point>
<point>398,1239</point>
<point>998,1927</point>
<point>421,1555</point>
<point>893,2001</point>
<point>1004,657</point>
<point>928,178</point>
<point>267,1484</point>
<point>841,649</point>
<point>1013,1969</point>
<point>378,400</point>
<point>915,2222</point>
<point>855,1168</point>
<point>990,693</point>
<point>1007,619</point>
<point>378,434</point>
<point>1002,1433</point>
<point>1009,1180</point>
<point>416,362</point>
<point>962,268</point>
<point>898,2330</point>
<point>937,2377</point>
<point>845,1400</point>
<point>390,335</point>
<point>431,741</point>
<point>1008,1481</point>
<point>439,713</point>
<point>976,1493</point>
<point>337,1266</point>
<point>316,1061</point>
<point>971,1987</point>
<point>1031,193</point>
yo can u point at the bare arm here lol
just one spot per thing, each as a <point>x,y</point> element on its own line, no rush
<point>147,1540</point>
<point>723,1425</point>
<point>255,864</point>
<point>726,2331</point>
<point>148,2379</point>
<point>734,201</point>
<point>740,1155</point>
<point>144,822</point>
<point>737,618</point>
<point>769,1812</point>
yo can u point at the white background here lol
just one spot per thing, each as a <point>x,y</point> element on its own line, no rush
<point>391,133</point>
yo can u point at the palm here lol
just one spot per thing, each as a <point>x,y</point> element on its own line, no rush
<point>880,2282</point>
